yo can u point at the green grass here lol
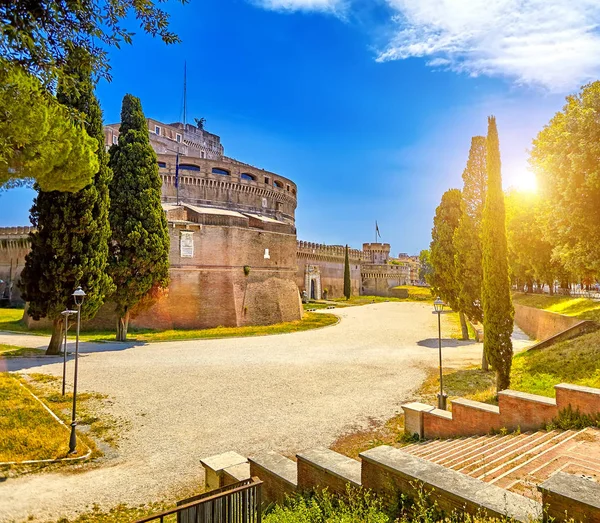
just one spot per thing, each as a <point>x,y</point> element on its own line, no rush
<point>582,308</point>
<point>417,293</point>
<point>27,430</point>
<point>10,320</point>
<point>575,361</point>
<point>10,351</point>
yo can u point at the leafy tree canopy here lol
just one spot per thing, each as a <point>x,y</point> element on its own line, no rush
<point>41,139</point>
<point>566,160</point>
<point>37,34</point>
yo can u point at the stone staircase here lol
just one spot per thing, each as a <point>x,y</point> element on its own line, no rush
<point>517,462</point>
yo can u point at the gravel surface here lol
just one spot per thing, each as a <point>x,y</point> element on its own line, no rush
<point>186,400</point>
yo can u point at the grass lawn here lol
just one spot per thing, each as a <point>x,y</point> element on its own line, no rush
<point>583,308</point>
<point>27,430</point>
<point>10,320</point>
<point>417,293</point>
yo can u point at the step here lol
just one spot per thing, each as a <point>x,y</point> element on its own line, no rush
<point>434,446</point>
<point>477,446</point>
<point>578,497</point>
<point>452,446</point>
<point>324,468</point>
<point>488,451</point>
<point>521,458</point>
<point>278,473</point>
<point>534,462</point>
<point>215,465</point>
<point>487,463</point>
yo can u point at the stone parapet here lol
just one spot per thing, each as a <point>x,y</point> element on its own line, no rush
<point>323,468</point>
<point>389,471</point>
<point>566,497</point>
<point>278,474</point>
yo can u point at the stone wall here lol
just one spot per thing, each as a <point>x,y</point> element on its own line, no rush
<point>14,246</point>
<point>540,324</point>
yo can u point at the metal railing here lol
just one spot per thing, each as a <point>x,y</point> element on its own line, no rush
<point>236,503</point>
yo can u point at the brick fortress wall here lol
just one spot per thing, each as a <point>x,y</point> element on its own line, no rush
<point>14,246</point>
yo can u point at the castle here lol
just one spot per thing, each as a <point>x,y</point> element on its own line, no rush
<point>234,256</point>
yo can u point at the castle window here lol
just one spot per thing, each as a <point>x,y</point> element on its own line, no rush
<point>222,172</point>
<point>162,165</point>
<point>178,137</point>
<point>267,180</point>
<point>157,130</point>
<point>189,167</point>
<point>277,183</point>
<point>247,176</point>
<point>115,139</point>
<point>202,155</point>
<point>288,187</point>
<point>294,192</point>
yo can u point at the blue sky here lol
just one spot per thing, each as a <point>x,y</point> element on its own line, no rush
<point>369,106</point>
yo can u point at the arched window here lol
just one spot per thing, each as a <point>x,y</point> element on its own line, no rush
<point>162,165</point>
<point>248,176</point>
<point>277,183</point>
<point>222,172</point>
<point>188,167</point>
<point>294,192</point>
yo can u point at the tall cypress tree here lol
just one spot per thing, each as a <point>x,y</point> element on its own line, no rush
<point>497,304</point>
<point>70,246</point>
<point>139,262</point>
<point>347,282</point>
<point>443,278</point>
<point>467,238</point>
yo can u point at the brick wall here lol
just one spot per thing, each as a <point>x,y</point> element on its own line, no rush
<point>540,324</point>
<point>515,410</point>
<point>14,246</point>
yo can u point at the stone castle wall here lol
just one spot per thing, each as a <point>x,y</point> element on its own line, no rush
<point>14,246</point>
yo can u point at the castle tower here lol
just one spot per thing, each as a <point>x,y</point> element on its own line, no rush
<point>379,253</point>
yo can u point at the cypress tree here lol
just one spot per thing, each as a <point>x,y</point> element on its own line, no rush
<point>347,282</point>
<point>467,238</point>
<point>139,257</point>
<point>443,278</point>
<point>70,246</point>
<point>497,304</point>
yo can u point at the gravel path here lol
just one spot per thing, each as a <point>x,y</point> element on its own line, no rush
<point>190,399</point>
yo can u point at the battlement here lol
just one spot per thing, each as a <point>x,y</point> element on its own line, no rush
<point>308,249</point>
<point>15,232</point>
<point>377,247</point>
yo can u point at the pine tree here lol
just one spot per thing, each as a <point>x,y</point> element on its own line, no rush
<point>139,261</point>
<point>70,246</point>
<point>347,282</point>
<point>497,304</point>
<point>443,279</point>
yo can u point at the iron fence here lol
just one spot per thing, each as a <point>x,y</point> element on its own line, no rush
<point>236,503</point>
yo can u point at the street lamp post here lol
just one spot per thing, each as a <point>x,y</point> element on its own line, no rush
<point>439,307</point>
<point>66,313</point>
<point>78,296</point>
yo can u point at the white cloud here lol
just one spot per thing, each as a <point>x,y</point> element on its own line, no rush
<point>331,6</point>
<point>552,43</point>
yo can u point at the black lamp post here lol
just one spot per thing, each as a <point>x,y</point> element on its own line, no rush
<point>438,305</point>
<point>78,296</point>
<point>66,313</point>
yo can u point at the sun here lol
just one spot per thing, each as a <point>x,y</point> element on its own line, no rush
<point>525,181</point>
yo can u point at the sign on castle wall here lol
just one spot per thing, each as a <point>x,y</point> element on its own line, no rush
<point>186,244</point>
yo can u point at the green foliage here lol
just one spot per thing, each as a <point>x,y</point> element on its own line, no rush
<point>40,139</point>
<point>323,507</point>
<point>425,268</point>
<point>347,281</point>
<point>566,160</point>
<point>583,308</point>
<point>467,237</point>
<point>139,257</point>
<point>569,419</point>
<point>246,270</point>
<point>497,305</point>
<point>530,254</point>
<point>70,247</point>
<point>443,279</point>
<point>39,34</point>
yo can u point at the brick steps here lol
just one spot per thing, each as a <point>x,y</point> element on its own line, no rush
<point>517,462</point>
